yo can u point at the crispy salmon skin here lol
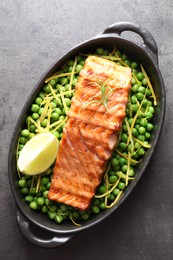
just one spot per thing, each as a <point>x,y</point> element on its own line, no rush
<point>91,131</point>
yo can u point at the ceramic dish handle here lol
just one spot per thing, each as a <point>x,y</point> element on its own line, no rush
<point>149,42</point>
<point>25,228</point>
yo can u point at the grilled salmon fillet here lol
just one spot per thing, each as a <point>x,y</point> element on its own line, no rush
<point>91,131</point>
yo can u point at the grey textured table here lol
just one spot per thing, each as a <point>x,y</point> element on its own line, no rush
<point>33,34</point>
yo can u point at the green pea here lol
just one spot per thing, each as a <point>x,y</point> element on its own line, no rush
<point>136,145</point>
<point>116,191</point>
<point>33,191</point>
<point>135,88</point>
<point>38,100</point>
<point>123,57</point>
<point>130,120</point>
<point>35,108</point>
<point>70,68</point>
<point>133,99</point>
<point>128,62</point>
<point>42,188</point>
<point>56,133</point>
<point>151,109</point>
<point>82,62</point>
<point>59,218</point>
<point>134,71</point>
<point>140,75</point>
<point>22,140</point>
<point>44,209</point>
<point>122,145</point>
<point>124,138</point>
<point>134,65</point>
<point>139,96</point>
<point>145,102</point>
<point>48,202</point>
<point>44,180</point>
<point>48,185</point>
<point>121,185</point>
<point>57,110</point>
<point>40,201</point>
<point>35,116</point>
<point>95,201</point>
<point>124,127</point>
<point>122,161</point>
<point>95,209</point>
<point>135,107</point>
<point>60,135</point>
<point>141,151</point>
<point>133,81</point>
<point>28,182</point>
<point>150,127</point>
<point>124,168</point>
<point>75,214</point>
<point>63,207</point>
<point>21,147</point>
<point>29,198</point>
<point>114,162</point>
<point>142,130</point>
<point>144,82</point>
<point>52,82</point>
<point>131,172</point>
<point>61,118</point>
<point>85,216</point>
<point>40,111</point>
<point>22,183</point>
<point>148,92</point>
<point>135,132</point>
<point>102,189</point>
<point>100,51</point>
<point>111,197</point>
<point>68,102</point>
<point>141,137</point>
<point>33,205</point>
<point>143,122</point>
<point>45,193</point>
<point>46,88</point>
<point>102,205</point>
<point>148,115</point>
<point>130,148</point>
<point>52,215</point>
<point>112,178</point>
<point>25,133</point>
<point>44,122</point>
<point>140,114</point>
<point>53,208</point>
<point>106,52</point>
<point>118,53</point>
<point>53,105</point>
<point>74,81</point>
<point>55,116</point>
<point>137,126</point>
<point>147,135</point>
<point>71,63</point>
<point>141,89</point>
<point>78,68</point>
<point>42,94</point>
<point>63,80</point>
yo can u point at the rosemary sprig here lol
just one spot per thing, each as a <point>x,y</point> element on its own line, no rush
<point>105,92</point>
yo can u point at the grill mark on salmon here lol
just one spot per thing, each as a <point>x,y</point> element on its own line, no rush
<point>90,133</point>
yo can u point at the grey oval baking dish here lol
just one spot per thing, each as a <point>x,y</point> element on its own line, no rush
<point>146,53</point>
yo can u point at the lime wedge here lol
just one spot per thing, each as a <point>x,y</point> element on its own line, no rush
<point>38,154</point>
